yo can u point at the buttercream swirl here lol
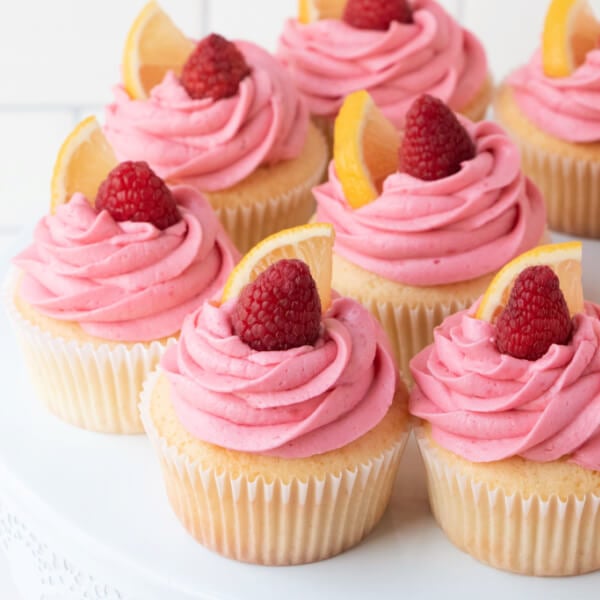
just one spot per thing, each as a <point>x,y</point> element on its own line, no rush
<point>565,107</point>
<point>437,232</point>
<point>293,403</point>
<point>486,406</point>
<point>210,144</point>
<point>125,281</point>
<point>330,59</point>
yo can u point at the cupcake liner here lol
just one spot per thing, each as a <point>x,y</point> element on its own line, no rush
<point>570,186</point>
<point>91,387</point>
<point>249,224</point>
<point>273,522</point>
<point>528,535</point>
<point>410,328</point>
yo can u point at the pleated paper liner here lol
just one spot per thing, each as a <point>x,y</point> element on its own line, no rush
<point>529,535</point>
<point>88,386</point>
<point>408,314</point>
<point>265,211</point>
<point>568,174</point>
<point>272,522</point>
<point>570,186</point>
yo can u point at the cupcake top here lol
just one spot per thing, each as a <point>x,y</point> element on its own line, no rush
<point>123,280</point>
<point>215,141</point>
<point>485,405</point>
<point>518,374</point>
<point>235,387</point>
<point>432,54</point>
<point>429,228</point>
<point>566,107</point>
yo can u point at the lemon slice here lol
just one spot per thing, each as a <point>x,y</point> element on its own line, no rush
<point>314,10</point>
<point>570,31</point>
<point>154,46</point>
<point>312,244</point>
<point>564,259</point>
<point>83,162</point>
<point>365,149</point>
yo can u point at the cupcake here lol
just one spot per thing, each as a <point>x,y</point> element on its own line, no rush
<point>104,286</point>
<point>396,51</point>
<point>509,434</point>
<point>553,115</point>
<point>428,241</point>
<point>280,430</point>
<point>233,126</point>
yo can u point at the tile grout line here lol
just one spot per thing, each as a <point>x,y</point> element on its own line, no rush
<point>205,16</point>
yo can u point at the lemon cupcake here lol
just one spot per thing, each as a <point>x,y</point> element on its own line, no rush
<point>417,244</point>
<point>224,117</point>
<point>550,107</point>
<point>279,429</point>
<point>508,394</point>
<point>396,51</point>
<point>102,289</point>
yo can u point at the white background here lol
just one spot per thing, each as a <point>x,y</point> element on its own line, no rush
<point>60,58</point>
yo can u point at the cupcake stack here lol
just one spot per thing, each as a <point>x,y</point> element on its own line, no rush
<point>412,276</point>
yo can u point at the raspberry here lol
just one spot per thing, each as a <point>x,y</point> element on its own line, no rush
<point>376,14</point>
<point>536,315</point>
<point>435,143</point>
<point>133,192</point>
<point>280,309</point>
<point>214,69</point>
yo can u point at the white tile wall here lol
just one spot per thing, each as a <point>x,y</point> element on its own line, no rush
<point>59,59</point>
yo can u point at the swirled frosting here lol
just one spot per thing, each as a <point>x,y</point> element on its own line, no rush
<point>292,403</point>
<point>437,232</point>
<point>210,144</point>
<point>486,406</point>
<point>125,281</point>
<point>330,59</point>
<point>565,107</point>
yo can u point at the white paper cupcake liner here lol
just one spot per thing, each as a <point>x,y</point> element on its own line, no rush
<point>528,535</point>
<point>570,186</point>
<point>91,387</point>
<point>410,329</point>
<point>248,225</point>
<point>273,522</point>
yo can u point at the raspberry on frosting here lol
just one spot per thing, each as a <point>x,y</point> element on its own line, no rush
<point>212,145</point>
<point>214,69</point>
<point>432,54</point>
<point>535,317</point>
<point>377,14</point>
<point>435,144</point>
<point>133,192</point>
<point>502,406</point>
<point>280,309</point>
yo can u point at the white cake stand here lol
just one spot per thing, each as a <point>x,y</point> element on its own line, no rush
<point>85,516</point>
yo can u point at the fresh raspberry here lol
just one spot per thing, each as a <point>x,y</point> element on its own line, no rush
<point>133,192</point>
<point>280,309</point>
<point>435,143</point>
<point>536,315</point>
<point>214,69</point>
<point>377,14</point>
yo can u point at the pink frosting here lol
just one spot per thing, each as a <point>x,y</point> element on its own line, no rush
<point>125,281</point>
<point>292,403</point>
<point>565,107</point>
<point>486,406</point>
<point>210,144</point>
<point>330,59</point>
<point>436,232</point>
